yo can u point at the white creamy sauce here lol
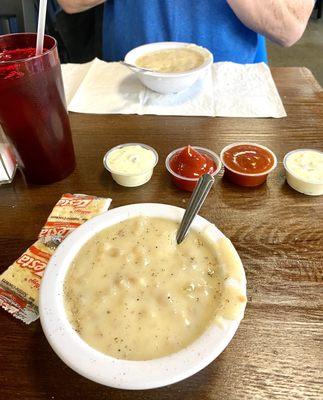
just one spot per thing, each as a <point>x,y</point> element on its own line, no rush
<point>172,60</point>
<point>132,293</point>
<point>306,165</point>
<point>131,160</point>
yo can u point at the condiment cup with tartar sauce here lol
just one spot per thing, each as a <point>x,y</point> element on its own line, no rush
<point>131,164</point>
<point>304,171</point>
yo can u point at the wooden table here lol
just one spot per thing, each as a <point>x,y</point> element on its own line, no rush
<point>277,232</point>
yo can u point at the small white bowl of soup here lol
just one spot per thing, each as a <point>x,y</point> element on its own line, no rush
<point>176,66</point>
<point>125,306</point>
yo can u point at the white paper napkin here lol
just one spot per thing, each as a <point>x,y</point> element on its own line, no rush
<point>245,91</point>
<point>229,90</point>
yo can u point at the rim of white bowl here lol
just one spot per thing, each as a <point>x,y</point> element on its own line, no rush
<point>99,367</point>
<point>292,173</point>
<point>120,146</point>
<point>229,146</point>
<point>169,45</point>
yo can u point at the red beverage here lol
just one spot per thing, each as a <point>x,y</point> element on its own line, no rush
<point>33,111</point>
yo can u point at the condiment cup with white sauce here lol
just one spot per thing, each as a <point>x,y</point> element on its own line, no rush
<point>174,82</point>
<point>302,174</point>
<point>134,169</point>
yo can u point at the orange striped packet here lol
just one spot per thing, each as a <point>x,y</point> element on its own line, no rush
<point>19,284</point>
<point>71,211</point>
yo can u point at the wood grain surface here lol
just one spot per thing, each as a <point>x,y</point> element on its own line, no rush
<point>277,350</point>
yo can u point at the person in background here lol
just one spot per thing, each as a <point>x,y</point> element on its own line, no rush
<point>230,29</point>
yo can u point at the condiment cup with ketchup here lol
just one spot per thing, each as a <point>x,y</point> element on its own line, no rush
<point>247,164</point>
<point>187,164</point>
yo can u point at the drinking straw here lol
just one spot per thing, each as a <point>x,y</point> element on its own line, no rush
<point>41,27</point>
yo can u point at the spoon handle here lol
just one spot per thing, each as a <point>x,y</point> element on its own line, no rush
<point>197,199</point>
<point>135,68</point>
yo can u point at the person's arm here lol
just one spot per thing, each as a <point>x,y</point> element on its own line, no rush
<point>282,21</point>
<point>76,6</point>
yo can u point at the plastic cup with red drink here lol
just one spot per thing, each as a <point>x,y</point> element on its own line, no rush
<point>33,111</point>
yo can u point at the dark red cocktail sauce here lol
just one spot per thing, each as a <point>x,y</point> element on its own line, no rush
<point>187,165</point>
<point>247,164</point>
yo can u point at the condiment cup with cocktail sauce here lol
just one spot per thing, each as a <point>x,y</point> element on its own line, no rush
<point>247,164</point>
<point>189,183</point>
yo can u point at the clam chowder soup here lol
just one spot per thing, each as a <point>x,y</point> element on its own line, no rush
<point>131,292</point>
<point>171,60</point>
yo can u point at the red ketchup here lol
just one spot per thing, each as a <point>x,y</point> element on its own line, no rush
<point>186,166</point>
